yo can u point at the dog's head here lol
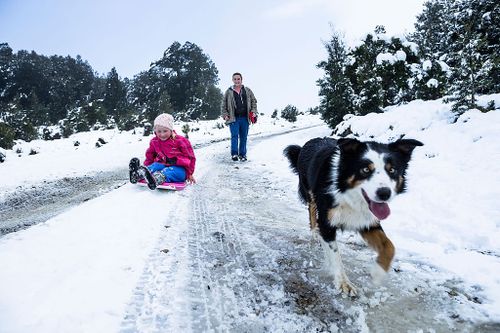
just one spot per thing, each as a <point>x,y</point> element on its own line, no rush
<point>373,171</point>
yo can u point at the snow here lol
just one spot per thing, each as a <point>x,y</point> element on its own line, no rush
<point>444,66</point>
<point>413,46</point>
<point>427,65</point>
<point>454,212</point>
<point>61,158</point>
<point>400,55</point>
<point>78,271</point>
<point>432,83</point>
<point>385,57</point>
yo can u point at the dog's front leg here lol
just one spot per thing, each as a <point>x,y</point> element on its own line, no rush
<point>377,239</point>
<point>333,259</point>
<point>336,267</point>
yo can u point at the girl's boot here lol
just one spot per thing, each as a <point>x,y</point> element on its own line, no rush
<point>133,168</point>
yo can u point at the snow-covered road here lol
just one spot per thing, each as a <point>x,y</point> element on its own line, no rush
<point>230,254</point>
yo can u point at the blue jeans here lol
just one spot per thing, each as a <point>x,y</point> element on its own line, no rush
<point>239,129</point>
<point>173,173</point>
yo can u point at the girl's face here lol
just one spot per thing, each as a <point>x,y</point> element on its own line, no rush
<point>163,133</point>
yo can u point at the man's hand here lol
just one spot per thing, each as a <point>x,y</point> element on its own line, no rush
<point>225,117</point>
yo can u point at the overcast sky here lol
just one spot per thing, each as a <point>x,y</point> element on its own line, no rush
<point>275,44</point>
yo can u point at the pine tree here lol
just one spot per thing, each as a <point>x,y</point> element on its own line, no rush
<point>210,108</point>
<point>7,136</point>
<point>164,104</point>
<point>115,95</point>
<point>70,83</point>
<point>366,82</point>
<point>145,93</point>
<point>465,56</point>
<point>78,120</point>
<point>20,121</point>
<point>95,114</point>
<point>6,74</point>
<point>335,88</point>
<point>464,35</point>
<point>488,33</point>
<point>189,76</point>
<point>396,71</point>
<point>6,132</point>
<point>432,28</point>
<point>40,91</point>
<point>430,78</point>
<point>290,113</point>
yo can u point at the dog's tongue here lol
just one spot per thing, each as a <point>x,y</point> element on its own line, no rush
<point>380,209</point>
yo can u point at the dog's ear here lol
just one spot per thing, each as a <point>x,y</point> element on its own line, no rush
<point>347,145</point>
<point>405,146</point>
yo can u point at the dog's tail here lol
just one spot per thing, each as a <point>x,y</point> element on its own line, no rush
<point>292,153</point>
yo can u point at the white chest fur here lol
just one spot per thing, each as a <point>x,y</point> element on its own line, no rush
<point>352,212</point>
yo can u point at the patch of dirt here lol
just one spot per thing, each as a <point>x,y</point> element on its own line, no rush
<point>34,204</point>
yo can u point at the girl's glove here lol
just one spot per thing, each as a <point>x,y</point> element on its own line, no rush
<point>171,161</point>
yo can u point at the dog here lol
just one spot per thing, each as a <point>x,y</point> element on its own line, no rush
<point>347,185</point>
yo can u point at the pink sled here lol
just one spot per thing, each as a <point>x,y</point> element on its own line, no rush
<point>165,186</point>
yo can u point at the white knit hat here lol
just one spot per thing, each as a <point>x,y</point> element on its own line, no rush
<point>164,120</point>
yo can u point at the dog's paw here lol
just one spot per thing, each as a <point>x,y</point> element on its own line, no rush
<point>348,288</point>
<point>378,274</point>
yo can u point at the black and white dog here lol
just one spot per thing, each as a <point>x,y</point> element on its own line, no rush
<point>347,185</point>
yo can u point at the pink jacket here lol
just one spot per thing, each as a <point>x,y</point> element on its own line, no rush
<point>175,147</point>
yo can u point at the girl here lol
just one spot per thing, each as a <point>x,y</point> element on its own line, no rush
<point>169,158</point>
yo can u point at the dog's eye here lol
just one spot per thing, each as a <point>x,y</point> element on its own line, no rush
<point>391,171</point>
<point>365,171</point>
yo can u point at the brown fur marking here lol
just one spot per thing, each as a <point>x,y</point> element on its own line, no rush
<point>313,213</point>
<point>378,240</point>
<point>330,214</point>
<point>352,182</point>
<point>399,184</point>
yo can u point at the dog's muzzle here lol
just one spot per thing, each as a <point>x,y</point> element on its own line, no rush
<point>381,210</point>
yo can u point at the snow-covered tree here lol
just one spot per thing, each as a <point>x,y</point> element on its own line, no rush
<point>290,113</point>
<point>115,94</point>
<point>489,76</point>
<point>336,92</point>
<point>380,71</point>
<point>429,79</point>
<point>7,136</point>
<point>432,28</point>
<point>367,85</point>
<point>6,73</point>
<point>190,77</point>
<point>474,54</point>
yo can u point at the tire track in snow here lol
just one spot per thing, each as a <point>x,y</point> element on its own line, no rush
<point>223,275</point>
<point>246,291</point>
<point>155,304</point>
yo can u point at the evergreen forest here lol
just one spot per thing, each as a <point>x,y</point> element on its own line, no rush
<point>53,97</point>
<point>453,53</point>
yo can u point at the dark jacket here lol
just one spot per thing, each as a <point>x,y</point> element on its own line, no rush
<point>229,104</point>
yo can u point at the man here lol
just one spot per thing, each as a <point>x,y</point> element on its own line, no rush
<point>239,101</point>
